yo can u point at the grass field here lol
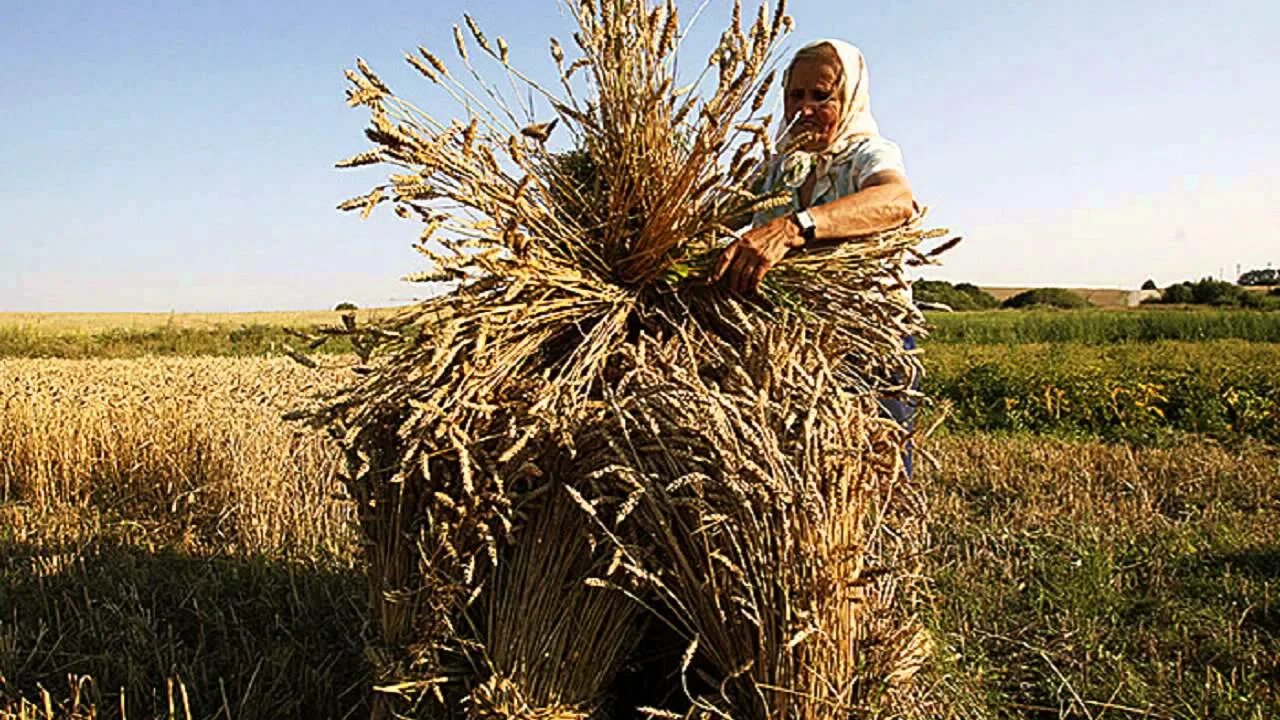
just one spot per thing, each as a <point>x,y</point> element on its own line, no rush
<point>1138,392</point>
<point>168,542</point>
<point>1087,580</point>
<point>1104,327</point>
<point>91,323</point>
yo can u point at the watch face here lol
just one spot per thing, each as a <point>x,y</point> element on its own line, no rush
<point>807,225</point>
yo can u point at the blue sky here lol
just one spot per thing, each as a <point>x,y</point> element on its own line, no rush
<point>179,156</point>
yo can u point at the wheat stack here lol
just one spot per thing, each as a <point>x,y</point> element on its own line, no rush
<point>551,641</point>
<point>564,266</point>
<point>767,515</point>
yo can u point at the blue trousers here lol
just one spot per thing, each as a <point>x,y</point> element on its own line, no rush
<point>903,410</point>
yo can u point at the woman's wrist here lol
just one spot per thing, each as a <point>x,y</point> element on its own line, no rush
<point>806,224</point>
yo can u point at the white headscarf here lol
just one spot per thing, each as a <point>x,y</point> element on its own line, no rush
<point>856,121</point>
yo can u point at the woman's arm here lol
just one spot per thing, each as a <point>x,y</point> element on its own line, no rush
<point>884,202</point>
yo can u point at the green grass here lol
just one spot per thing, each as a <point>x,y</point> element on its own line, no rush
<point>1082,580</point>
<point>1102,327</point>
<point>243,341</point>
<point>1144,393</point>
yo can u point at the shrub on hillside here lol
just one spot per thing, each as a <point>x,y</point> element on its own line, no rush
<point>980,296</point>
<point>1208,291</point>
<point>1047,297</point>
<point>344,306</point>
<point>962,296</point>
<point>1150,285</point>
<point>1178,294</point>
<point>1265,276</point>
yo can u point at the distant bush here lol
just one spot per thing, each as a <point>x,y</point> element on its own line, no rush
<point>1266,276</point>
<point>962,296</point>
<point>1210,292</point>
<point>1179,294</point>
<point>979,295</point>
<point>345,306</point>
<point>1275,292</point>
<point>1049,297</point>
<point>1150,285</point>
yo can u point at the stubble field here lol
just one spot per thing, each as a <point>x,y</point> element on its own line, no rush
<point>170,547</point>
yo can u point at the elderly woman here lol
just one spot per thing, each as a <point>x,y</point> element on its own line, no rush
<point>850,180</point>
<point>846,179</point>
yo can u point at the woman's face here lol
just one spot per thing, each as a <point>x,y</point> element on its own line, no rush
<point>810,100</point>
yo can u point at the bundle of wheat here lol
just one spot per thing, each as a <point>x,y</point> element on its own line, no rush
<point>550,640</point>
<point>562,264</point>
<point>764,510</point>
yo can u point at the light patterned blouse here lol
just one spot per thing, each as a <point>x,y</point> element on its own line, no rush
<point>866,157</point>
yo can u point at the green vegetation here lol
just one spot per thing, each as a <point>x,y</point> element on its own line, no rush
<point>1261,276</point>
<point>989,327</point>
<point>1046,297</point>
<point>1138,392</point>
<point>1213,292</point>
<point>243,341</point>
<point>962,296</point>
<point>1085,580</point>
<point>1104,326</point>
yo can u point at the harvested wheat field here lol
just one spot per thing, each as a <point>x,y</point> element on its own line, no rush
<point>1069,575</point>
<point>166,535</point>
<point>199,442</point>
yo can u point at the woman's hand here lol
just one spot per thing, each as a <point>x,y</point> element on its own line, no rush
<point>745,262</point>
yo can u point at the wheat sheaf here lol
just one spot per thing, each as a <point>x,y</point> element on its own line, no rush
<point>574,234</point>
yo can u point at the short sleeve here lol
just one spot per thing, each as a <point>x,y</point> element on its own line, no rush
<point>877,154</point>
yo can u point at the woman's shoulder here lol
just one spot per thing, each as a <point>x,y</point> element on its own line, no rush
<point>870,155</point>
<point>872,146</point>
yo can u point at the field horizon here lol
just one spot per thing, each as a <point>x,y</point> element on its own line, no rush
<point>91,320</point>
<point>80,320</point>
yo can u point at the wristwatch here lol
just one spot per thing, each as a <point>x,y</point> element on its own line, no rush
<point>808,228</point>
